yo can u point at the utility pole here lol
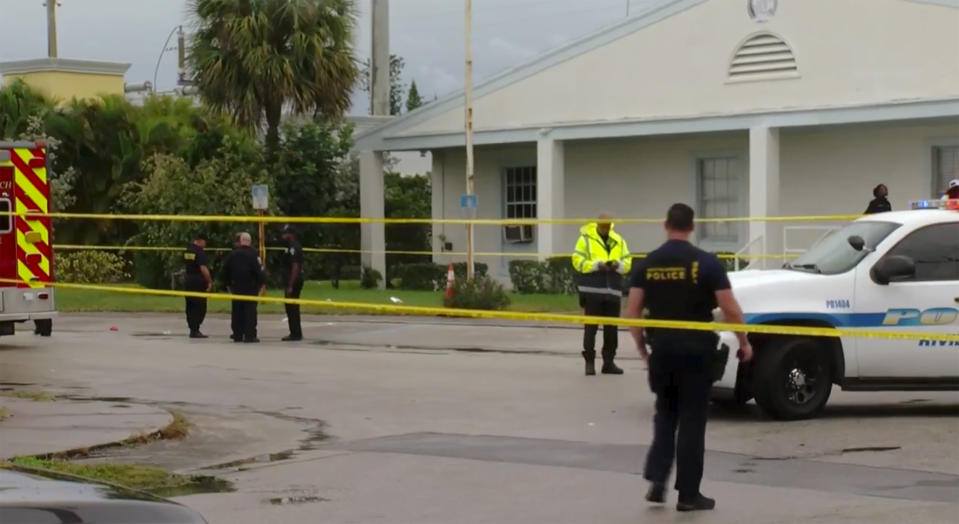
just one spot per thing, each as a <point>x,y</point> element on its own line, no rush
<point>52,28</point>
<point>468,99</point>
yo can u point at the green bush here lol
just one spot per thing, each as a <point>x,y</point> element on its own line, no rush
<point>459,269</point>
<point>422,276</point>
<point>481,293</point>
<point>554,276</point>
<point>371,278</point>
<point>90,267</point>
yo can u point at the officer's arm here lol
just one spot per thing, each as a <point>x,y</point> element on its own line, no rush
<point>206,276</point>
<point>580,259</point>
<point>734,315</point>
<point>636,298</point>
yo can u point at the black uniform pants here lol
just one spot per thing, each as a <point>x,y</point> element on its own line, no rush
<point>243,320</point>
<point>601,307</point>
<point>680,376</point>
<point>293,310</point>
<point>195,307</point>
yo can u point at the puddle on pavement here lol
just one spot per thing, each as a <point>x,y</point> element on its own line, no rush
<point>290,501</point>
<point>117,400</point>
<point>397,348</point>
<point>198,485</point>
<point>259,459</point>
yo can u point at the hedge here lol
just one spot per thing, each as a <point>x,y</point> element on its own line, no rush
<point>427,276</point>
<point>554,276</point>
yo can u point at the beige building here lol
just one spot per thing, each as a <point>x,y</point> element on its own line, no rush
<point>64,79</point>
<point>740,107</point>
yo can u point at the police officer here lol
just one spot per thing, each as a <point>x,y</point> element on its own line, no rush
<point>602,258</point>
<point>681,282</point>
<point>197,279</point>
<point>293,279</point>
<point>243,275</point>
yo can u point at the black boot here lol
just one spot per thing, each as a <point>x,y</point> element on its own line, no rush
<point>590,357</point>
<point>697,503</point>
<point>610,367</point>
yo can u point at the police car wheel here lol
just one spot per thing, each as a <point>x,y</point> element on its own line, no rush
<point>792,379</point>
<point>44,327</point>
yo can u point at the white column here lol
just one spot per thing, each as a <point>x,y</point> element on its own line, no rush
<point>438,203</point>
<point>550,194</point>
<point>372,205</point>
<point>764,191</point>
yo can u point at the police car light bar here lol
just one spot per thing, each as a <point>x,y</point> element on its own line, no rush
<point>934,204</point>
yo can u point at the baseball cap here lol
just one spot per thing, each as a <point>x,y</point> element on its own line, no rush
<point>954,183</point>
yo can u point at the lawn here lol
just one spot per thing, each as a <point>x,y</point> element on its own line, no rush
<point>73,300</point>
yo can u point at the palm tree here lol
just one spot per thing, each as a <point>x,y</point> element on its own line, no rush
<point>18,104</point>
<point>256,59</point>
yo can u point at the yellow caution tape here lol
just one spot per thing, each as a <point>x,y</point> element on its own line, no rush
<point>364,220</point>
<point>524,316</point>
<point>515,254</point>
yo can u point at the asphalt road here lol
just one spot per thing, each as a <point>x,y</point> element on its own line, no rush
<point>431,420</point>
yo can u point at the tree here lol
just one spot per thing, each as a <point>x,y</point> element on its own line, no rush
<point>256,59</point>
<point>397,87</point>
<point>18,103</point>
<point>413,99</point>
<point>407,197</point>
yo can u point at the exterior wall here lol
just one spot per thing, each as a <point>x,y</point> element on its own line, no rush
<point>823,171</point>
<point>848,53</point>
<point>64,86</point>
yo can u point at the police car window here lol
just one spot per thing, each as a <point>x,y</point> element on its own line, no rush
<point>935,250</point>
<point>834,255</point>
<point>6,221</point>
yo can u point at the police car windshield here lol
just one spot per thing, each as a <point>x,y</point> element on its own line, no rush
<point>834,255</point>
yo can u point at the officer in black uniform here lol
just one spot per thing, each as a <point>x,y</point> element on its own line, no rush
<point>681,282</point>
<point>293,279</point>
<point>197,279</point>
<point>243,275</point>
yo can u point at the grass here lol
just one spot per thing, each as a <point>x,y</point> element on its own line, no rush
<point>3,413</point>
<point>155,481</point>
<point>36,396</point>
<point>178,429</point>
<point>73,300</point>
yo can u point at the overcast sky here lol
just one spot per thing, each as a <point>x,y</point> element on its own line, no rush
<point>426,33</point>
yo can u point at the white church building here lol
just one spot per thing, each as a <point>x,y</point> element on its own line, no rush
<point>738,107</point>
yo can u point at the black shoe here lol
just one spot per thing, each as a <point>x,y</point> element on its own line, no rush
<point>590,363</point>
<point>252,341</point>
<point>609,368</point>
<point>293,338</point>
<point>197,334</point>
<point>657,492</point>
<point>699,503</point>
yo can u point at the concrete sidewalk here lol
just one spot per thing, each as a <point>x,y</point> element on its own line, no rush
<point>38,428</point>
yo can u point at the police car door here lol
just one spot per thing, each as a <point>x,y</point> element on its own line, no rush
<point>926,302</point>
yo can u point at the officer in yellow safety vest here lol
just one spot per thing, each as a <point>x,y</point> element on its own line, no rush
<point>602,258</point>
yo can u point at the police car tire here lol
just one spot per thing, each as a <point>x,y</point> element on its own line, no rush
<point>771,374</point>
<point>45,327</point>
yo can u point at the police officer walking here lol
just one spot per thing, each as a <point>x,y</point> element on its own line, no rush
<point>681,282</point>
<point>197,279</point>
<point>243,275</point>
<point>293,279</point>
<point>602,258</point>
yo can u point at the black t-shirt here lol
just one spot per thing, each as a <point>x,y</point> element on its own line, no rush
<point>878,205</point>
<point>680,282</point>
<point>194,257</point>
<point>243,272</point>
<point>293,255</point>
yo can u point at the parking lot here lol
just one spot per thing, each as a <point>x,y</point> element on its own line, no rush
<point>377,419</point>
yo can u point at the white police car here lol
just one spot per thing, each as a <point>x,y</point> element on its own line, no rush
<point>895,271</point>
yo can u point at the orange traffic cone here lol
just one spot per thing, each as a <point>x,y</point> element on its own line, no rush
<point>450,284</point>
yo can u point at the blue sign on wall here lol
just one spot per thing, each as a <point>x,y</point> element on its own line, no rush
<point>469,202</point>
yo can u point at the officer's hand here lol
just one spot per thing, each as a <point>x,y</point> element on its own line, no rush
<point>643,353</point>
<point>745,353</point>
<point>289,291</point>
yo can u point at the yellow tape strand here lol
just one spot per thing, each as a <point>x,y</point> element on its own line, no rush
<point>510,315</point>
<point>515,254</point>
<point>359,220</point>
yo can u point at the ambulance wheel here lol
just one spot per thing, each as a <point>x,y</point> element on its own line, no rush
<point>792,378</point>
<point>44,328</point>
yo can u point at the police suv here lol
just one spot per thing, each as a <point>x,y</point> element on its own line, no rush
<point>895,271</point>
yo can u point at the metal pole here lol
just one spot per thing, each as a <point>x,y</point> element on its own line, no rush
<point>468,95</point>
<point>259,212</point>
<point>52,28</point>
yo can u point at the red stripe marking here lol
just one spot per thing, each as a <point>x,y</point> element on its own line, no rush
<point>28,203</point>
<point>33,267</point>
<point>30,175</point>
<point>38,152</point>
<point>42,247</point>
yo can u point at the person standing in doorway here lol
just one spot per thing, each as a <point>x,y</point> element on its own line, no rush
<point>196,279</point>
<point>293,279</point>
<point>682,283</point>
<point>952,193</point>
<point>243,275</point>
<point>602,258</point>
<point>880,202</point>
